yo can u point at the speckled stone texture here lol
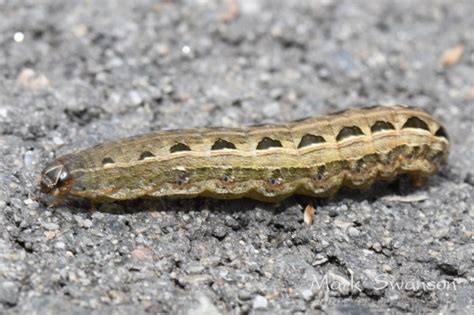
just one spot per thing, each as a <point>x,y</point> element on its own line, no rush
<point>75,73</point>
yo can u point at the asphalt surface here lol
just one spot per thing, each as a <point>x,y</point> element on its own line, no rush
<point>75,73</point>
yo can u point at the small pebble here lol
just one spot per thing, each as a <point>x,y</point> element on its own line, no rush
<point>60,245</point>
<point>28,201</point>
<point>231,222</point>
<point>50,226</point>
<point>260,302</point>
<point>245,295</point>
<point>58,141</point>
<point>353,232</point>
<point>168,89</point>
<point>85,223</point>
<point>135,97</point>
<point>195,269</point>
<point>377,247</point>
<point>29,159</point>
<point>9,292</point>
<point>307,295</point>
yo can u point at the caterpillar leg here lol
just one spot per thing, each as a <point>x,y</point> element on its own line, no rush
<point>418,180</point>
<point>57,200</point>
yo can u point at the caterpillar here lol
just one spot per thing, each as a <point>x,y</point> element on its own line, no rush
<point>313,156</point>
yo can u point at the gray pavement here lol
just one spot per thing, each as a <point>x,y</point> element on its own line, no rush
<point>76,73</point>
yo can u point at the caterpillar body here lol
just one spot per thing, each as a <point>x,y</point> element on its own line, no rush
<point>313,156</point>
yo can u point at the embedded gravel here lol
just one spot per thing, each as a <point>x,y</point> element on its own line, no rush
<point>75,73</point>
